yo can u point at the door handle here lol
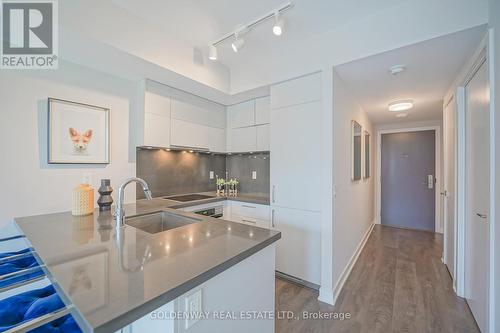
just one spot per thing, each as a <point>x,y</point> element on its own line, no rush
<point>445,193</point>
<point>483,216</point>
<point>430,182</point>
<point>272,218</point>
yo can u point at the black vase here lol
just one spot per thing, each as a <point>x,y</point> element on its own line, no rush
<point>105,199</point>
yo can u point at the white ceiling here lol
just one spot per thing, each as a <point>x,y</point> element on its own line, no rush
<point>431,68</point>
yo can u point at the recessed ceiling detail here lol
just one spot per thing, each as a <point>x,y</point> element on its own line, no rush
<point>237,36</point>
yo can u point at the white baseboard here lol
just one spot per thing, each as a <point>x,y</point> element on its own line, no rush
<point>350,264</point>
<point>326,296</point>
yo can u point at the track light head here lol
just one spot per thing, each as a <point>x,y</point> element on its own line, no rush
<point>212,52</point>
<point>237,44</point>
<point>279,24</point>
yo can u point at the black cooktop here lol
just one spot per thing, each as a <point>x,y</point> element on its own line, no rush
<point>188,197</point>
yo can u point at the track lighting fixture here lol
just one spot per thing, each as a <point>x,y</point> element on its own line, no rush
<point>279,24</point>
<point>237,44</point>
<point>212,52</point>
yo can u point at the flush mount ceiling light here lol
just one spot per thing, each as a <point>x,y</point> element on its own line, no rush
<point>238,43</point>
<point>400,106</point>
<point>212,52</point>
<point>397,69</point>
<point>235,36</point>
<point>279,24</point>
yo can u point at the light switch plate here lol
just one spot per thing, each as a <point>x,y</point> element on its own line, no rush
<point>211,175</point>
<point>193,308</point>
<point>254,175</point>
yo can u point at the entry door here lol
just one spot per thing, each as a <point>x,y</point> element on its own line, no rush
<point>408,179</point>
<point>448,195</point>
<point>477,195</point>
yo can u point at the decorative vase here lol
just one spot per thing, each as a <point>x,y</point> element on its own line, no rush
<point>82,200</point>
<point>105,199</point>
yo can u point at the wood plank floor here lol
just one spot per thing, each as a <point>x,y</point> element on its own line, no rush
<point>397,285</point>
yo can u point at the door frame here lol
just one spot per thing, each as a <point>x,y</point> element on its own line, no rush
<point>438,223</point>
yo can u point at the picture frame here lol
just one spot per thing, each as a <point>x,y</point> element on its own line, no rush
<point>78,133</point>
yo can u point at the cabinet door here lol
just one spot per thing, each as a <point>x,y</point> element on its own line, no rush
<point>298,252</point>
<point>296,156</point>
<point>263,110</point>
<point>302,90</point>
<point>243,139</point>
<point>241,115</point>
<point>217,139</point>
<point>196,110</point>
<point>157,104</point>
<point>156,130</point>
<point>263,137</point>
<point>186,134</point>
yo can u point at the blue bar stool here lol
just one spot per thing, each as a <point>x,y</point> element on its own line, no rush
<point>24,308</point>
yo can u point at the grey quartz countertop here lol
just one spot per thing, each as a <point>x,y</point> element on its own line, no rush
<point>115,278</point>
<point>256,198</point>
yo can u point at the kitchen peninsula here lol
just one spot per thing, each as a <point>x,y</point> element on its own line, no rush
<point>138,279</point>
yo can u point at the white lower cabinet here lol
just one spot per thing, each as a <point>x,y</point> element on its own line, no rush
<point>248,213</point>
<point>298,252</point>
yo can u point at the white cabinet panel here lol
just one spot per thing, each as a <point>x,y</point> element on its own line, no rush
<point>297,91</point>
<point>157,104</point>
<point>195,110</point>
<point>298,252</point>
<point>241,115</point>
<point>187,134</point>
<point>156,130</point>
<point>242,139</point>
<point>295,156</point>
<point>263,110</point>
<point>263,137</point>
<point>256,211</point>
<point>217,139</point>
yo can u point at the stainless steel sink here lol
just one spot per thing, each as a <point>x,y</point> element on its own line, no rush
<point>159,222</point>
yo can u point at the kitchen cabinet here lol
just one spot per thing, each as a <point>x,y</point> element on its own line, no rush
<point>298,253</point>
<point>187,134</point>
<point>242,139</point>
<point>248,213</point>
<point>263,110</point>
<point>295,156</point>
<point>241,115</point>
<point>297,91</point>
<point>196,110</point>
<point>156,120</point>
<point>263,137</point>
<point>217,139</point>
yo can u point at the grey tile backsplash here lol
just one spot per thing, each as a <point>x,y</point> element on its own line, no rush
<point>177,172</point>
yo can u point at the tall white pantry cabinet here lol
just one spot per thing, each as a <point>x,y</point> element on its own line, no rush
<point>295,176</point>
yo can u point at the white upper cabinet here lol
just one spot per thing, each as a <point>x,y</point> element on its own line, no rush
<point>217,139</point>
<point>188,134</point>
<point>156,120</point>
<point>263,110</point>
<point>298,91</point>
<point>196,110</point>
<point>241,115</point>
<point>263,137</point>
<point>242,139</point>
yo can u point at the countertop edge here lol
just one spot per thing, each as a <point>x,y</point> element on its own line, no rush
<point>131,316</point>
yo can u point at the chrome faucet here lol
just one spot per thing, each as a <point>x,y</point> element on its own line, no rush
<point>120,212</point>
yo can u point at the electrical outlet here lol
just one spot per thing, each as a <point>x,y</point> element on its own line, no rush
<point>193,308</point>
<point>87,178</point>
<point>254,175</point>
<point>211,175</point>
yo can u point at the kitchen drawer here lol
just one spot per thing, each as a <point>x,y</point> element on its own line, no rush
<point>250,221</point>
<point>254,211</point>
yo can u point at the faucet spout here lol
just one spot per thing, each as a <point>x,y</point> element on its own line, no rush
<point>119,212</point>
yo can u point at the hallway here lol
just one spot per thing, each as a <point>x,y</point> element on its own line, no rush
<point>398,284</point>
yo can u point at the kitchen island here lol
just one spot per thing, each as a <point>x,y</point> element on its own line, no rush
<point>220,271</point>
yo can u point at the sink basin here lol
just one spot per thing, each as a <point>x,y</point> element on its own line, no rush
<point>159,222</point>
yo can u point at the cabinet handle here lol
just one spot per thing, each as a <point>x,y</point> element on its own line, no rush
<point>246,206</point>
<point>272,219</point>
<point>274,193</point>
<point>483,216</point>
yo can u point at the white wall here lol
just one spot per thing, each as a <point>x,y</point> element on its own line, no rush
<point>360,38</point>
<point>354,201</point>
<point>29,185</point>
<point>494,21</point>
